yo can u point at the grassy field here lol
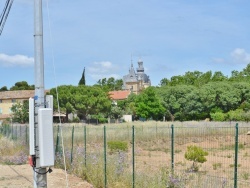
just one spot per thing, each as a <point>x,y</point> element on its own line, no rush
<point>151,155</point>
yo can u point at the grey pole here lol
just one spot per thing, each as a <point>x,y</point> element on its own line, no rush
<point>40,177</point>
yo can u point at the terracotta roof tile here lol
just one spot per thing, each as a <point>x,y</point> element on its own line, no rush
<point>18,94</point>
<point>4,116</point>
<point>119,95</point>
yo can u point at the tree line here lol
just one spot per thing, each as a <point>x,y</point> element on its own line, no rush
<point>192,96</point>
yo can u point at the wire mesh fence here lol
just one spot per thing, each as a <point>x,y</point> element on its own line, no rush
<point>152,155</point>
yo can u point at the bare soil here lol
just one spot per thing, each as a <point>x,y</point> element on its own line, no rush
<point>13,176</point>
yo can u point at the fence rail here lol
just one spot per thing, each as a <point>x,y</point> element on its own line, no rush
<point>155,155</point>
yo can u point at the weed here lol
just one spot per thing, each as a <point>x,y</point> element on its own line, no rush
<point>178,151</point>
<point>245,175</point>
<point>116,146</point>
<point>216,165</point>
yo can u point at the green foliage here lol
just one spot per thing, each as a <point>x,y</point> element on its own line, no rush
<point>110,84</point>
<point>84,100</point>
<point>115,146</point>
<point>4,88</point>
<point>23,85</point>
<point>148,105</point>
<point>197,155</point>
<point>82,80</point>
<point>216,166</point>
<point>235,115</point>
<point>116,112</point>
<point>218,116</point>
<point>100,117</point>
<point>20,112</point>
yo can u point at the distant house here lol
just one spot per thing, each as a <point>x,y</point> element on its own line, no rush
<point>119,95</point>
<point>8,98</point>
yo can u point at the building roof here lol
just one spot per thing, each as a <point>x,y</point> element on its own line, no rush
<point>57,114</point>
<point>119,95</point>
<point>18,94</point>
<point>5,116</point>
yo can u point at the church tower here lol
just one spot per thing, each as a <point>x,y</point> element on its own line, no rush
<point>136,82</point>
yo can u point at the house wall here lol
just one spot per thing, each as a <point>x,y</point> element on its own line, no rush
<point>6,105</point>
<point>135,86</point>
<point>127,118</point>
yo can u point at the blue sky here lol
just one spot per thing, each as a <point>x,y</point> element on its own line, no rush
<point>170,36</point>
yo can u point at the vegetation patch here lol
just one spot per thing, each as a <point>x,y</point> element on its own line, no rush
<point>197,155</point>
<point>116,146</point>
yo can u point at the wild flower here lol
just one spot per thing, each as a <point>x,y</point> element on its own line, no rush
<point>120,163</point>
<point>224,182</point>
<point>173,182</point>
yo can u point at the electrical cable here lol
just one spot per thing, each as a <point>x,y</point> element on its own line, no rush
<point>48,171</point>
<point>5,14</point>
<point>57,98</point>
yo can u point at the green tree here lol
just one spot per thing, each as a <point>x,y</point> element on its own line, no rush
<point>82,80</point>
<point>116,112</point>
<point>4,88</point>
<point>90,100</point>
<point>23,85</point>
<point>175,100</point>
<point>20,112</point>
<point>65,98</point>
<point>148,105</point>
<point>110,84</point>
<point>220,95</point>
<point>197,155</point>
<point>218,76</point>
<point>164,82</point>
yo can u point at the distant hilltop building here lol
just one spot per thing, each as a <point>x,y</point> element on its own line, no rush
<point>136,81</point>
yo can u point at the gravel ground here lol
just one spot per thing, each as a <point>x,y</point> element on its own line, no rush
<point>17,176</point>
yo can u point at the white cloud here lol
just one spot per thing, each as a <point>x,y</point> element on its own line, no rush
<point>240,55</point>
<point>15,60</point>
<point>104,69</point>
<point>237,56</point>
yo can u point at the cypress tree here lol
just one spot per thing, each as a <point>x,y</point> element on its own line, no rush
<point>82,81</point>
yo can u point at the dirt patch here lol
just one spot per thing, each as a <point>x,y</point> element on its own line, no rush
<point>12,176</point>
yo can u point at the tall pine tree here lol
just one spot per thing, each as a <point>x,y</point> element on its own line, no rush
<point>82,81</point>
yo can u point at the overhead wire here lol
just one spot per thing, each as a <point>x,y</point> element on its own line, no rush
<point>4,14</point>
<point>57,94</point>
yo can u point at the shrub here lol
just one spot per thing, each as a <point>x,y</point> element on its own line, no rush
<point>76,120</point>
<point>197,155</point>
<point>117,146</point>
<point>218,116</point>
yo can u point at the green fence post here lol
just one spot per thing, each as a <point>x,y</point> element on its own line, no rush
<point>57,139</point>
<point>236,155</point>
<point>85,146</point>
<point>73,129</point>
<point>12,131</point>
<point>105,156</point>
<point>16,132</point>
<point>172,147</point>
<point>133,156</point>
<point>20,130</point>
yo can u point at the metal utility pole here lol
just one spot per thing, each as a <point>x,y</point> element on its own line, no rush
<point>40,176</point>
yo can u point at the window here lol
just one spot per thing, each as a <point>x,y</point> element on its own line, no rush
<point>1,100</point>
<point>13,100</point>
<point>1,111</point>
